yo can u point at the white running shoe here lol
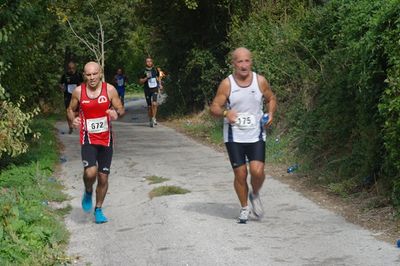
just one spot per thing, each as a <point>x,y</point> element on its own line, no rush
<point>256,204</point>
<point>244,215</point>
<point>151,122</point>
<point>154,121</point>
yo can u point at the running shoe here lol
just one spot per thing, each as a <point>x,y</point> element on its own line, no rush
<point>256,204</point>
<point>70,130</point>
<point>151,122</point>
<point>154,121</point>
<point>87,202</point>
<point>99,216</point>
<point>244,215</point>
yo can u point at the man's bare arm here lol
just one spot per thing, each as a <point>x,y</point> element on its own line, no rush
<point>118,108</point>
<point>269,96</point>
<point>217,107</point>
<point>143,80</point>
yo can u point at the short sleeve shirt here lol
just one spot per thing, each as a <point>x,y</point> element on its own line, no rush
<point>71,81</point>
<point>152,83</point>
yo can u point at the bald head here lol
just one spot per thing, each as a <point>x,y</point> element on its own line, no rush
<point>92,66</point>
<point>240,52</point>
<point>93,74</point>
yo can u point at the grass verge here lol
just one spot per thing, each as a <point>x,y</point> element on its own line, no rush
<point>156,179</point>
<point>31,232</point>
<point>167,190</point>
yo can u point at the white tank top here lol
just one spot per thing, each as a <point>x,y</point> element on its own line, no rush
<point>248,103</point>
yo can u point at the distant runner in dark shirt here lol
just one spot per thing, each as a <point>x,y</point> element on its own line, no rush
<point>150,79</point>
<point>68,82</point>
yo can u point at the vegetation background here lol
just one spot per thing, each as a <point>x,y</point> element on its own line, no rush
<point>334,65</point>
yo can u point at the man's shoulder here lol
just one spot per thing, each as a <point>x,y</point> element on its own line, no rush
<point>109,85</point>
<point>225,85</point>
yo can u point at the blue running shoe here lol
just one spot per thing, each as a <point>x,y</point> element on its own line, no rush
<point>99,216</point>
<point>87,204</point>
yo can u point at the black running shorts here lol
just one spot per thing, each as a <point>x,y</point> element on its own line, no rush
<point>239,151</point>
<point>151,96</point>
<point>97,155</point>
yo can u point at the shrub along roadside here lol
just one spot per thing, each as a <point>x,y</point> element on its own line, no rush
<point>30,231</point>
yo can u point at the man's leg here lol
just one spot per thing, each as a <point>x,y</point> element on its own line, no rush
<point>154,111</point>
<point>104,159</point>
<point>150,115</point>
<point>101,189</point>
<point>67,100</point>
<point>238,162</point>
<point>256,154</point>
<point>70,126</point>
<point>89,177</point>
<point>154,106</point>
<point>240,184</point>
<point>149,107</point>
<point>257,180</point>
<point>257,175</point>
<point>242,191</point>
<point>121,97</point>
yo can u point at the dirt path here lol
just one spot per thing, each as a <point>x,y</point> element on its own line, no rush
<point>199,228</point>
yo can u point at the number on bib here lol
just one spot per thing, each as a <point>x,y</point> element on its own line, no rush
<point>97,125</point>
<point>152,82</point>
<point>71,88</point>
<point>245,121</point>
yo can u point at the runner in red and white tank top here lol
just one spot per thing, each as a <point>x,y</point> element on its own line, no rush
<point>98,103</point>
<point>95,122</point>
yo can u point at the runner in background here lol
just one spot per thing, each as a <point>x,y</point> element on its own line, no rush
<point>120,81</point>
<point>150,79</point>
<point>68,82</point>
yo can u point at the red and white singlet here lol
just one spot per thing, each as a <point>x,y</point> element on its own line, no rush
<point>95,122</point>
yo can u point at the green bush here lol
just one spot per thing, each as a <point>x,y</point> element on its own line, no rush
<point>14,126</point>
<point>198,79</point>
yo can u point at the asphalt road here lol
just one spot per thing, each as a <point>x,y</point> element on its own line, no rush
<point>199,228</point>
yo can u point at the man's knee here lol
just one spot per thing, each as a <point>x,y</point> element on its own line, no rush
<point>257,172</point>
<point>256,167</point>
<point>240,173</point>
<point>90,172</point>
<point>103,178</point>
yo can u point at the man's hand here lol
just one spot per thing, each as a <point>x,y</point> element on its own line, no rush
<point>231,116</point>
<point>76,122</point>
<point>113,114</point>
